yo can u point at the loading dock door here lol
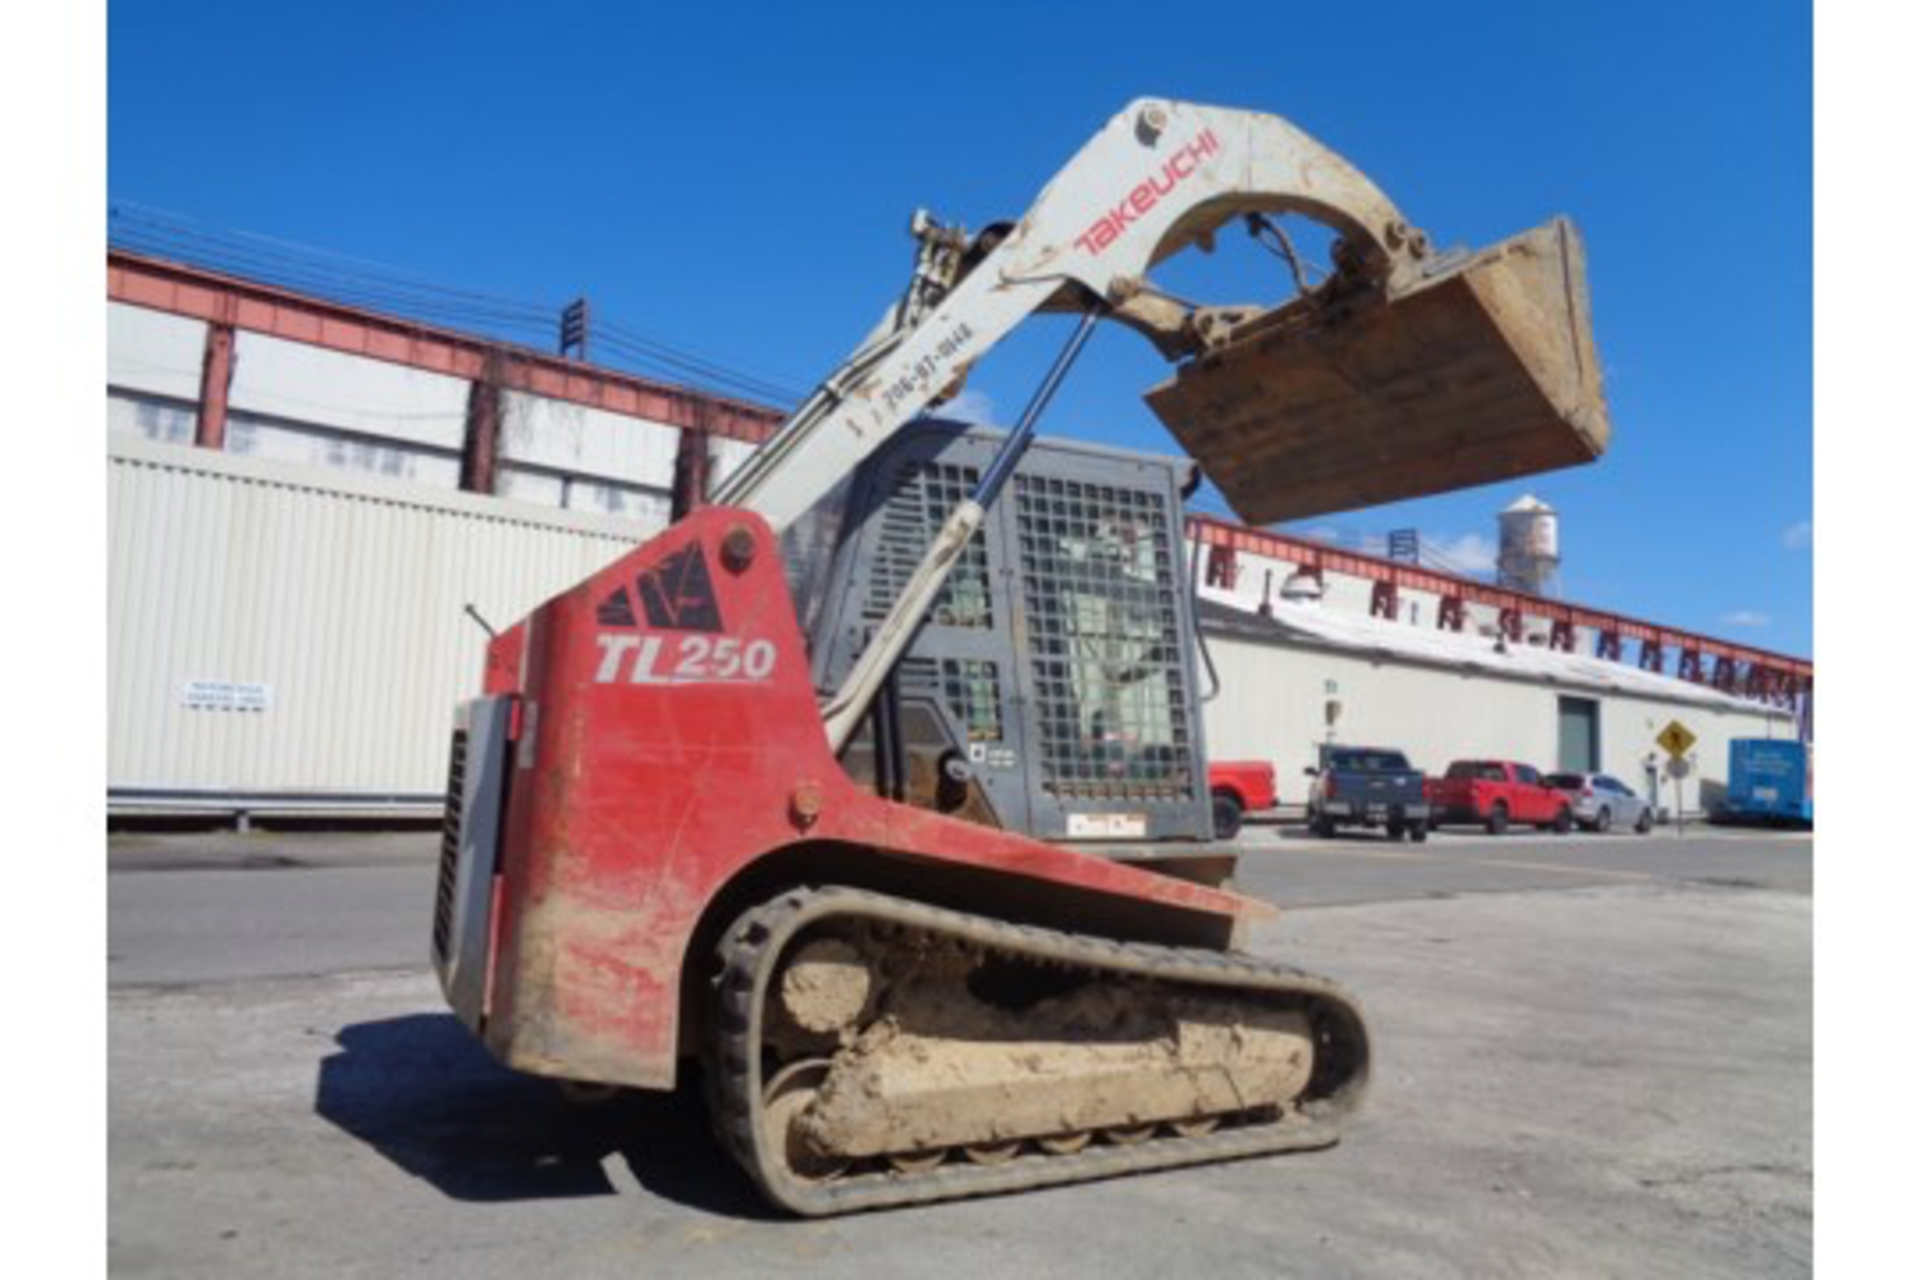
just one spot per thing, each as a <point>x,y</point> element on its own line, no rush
<point>1579,735</point>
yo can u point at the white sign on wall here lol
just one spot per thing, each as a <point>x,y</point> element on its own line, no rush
<point>225,695</point>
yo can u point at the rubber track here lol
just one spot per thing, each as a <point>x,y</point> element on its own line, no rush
<point>749,954</point>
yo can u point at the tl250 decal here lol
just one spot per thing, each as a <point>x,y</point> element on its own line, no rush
<point>683,659</point>
<point>676,599</point>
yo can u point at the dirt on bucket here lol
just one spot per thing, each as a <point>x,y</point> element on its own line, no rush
<point>1482,371</point>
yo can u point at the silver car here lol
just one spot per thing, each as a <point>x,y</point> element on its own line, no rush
<point>1602,802</point>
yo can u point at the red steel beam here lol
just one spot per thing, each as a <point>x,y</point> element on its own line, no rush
<point>692,473</point>
<point>480,450</point>
<point>173,287</point>
<point>1214,532</point>
<point>216,380</point>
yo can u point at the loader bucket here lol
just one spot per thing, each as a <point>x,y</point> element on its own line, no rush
<point>1482,372</point>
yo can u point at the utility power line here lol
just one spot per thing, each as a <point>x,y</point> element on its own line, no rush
<point>374,286</point>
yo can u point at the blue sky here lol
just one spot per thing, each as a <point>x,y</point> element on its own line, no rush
<point>736,179</point>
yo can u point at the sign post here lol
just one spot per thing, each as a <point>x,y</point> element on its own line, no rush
<point>1676,739</point>
<point>1677,769</point>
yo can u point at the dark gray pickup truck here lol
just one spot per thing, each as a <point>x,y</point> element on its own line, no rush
<point>1367,787</point>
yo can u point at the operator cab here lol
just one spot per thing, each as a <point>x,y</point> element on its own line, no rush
<point>1052,688</point>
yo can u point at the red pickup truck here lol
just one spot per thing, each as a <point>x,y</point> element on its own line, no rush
<point>1497,793</point>
<point>1239,787</point>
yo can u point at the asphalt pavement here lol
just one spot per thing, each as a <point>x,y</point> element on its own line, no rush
<point>1593,1058</point>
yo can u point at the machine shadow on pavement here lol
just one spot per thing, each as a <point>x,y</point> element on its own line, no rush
<point>423,1093</point>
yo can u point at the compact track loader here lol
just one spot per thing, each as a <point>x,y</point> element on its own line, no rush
<point>878,789</point>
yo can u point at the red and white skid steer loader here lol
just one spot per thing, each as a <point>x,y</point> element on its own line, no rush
<point>884,800</point>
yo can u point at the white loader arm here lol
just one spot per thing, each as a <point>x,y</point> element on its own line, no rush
<point>1161,175</point>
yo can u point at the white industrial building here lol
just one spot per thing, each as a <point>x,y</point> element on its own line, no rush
<point>1306,673</point>
<point>306,500</point>
<point>1315,643</point>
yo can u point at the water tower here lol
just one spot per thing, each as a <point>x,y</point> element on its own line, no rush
<point>1530,547</point>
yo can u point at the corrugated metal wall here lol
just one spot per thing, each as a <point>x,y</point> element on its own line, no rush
<point>340,598</point>
<point>342,595</point>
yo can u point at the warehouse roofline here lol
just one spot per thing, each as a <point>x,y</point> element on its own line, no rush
<point>236,303</point>
<point>1767,673</point>
<point>1313,626</point>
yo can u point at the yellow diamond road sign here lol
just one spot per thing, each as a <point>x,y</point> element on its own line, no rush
<point>1676,738</point>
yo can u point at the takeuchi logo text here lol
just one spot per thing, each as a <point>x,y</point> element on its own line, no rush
<point>1180,166</point>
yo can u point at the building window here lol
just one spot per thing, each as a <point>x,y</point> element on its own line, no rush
<point>167,421</point>
<point>631,501</point>
<point>321,447</point>
<point>536,488</point>
<point>583,493</point>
